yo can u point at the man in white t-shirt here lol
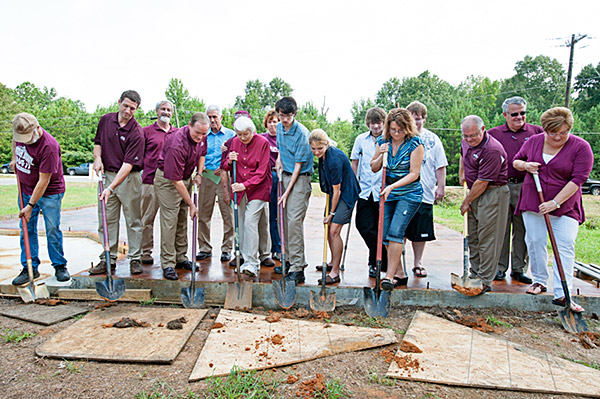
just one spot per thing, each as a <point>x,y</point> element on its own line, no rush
<point>433,179</point>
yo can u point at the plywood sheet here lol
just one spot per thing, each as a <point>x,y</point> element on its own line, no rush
<point>88,339</point>
<point>40,314</point>
<point>457,355</point>
<point>250,342</point>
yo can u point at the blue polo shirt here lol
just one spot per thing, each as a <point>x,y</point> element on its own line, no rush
<point>293,147</point>
<point>214,142</point>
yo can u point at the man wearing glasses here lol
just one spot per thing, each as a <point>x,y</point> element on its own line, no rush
<point>483,165</point>
<point>512,135</point>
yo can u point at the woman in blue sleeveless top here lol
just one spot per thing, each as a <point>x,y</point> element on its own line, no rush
<point>403,192</point>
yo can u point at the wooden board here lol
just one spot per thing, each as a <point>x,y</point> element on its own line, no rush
<point>457,355</point>
<point>250,342</point>
<point>87,339</point>
<point>130,295</point>
<point>41,314</point>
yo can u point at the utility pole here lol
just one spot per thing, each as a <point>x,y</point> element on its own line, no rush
<point>571,44</point>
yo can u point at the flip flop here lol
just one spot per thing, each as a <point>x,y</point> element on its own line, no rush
<point>419,271</point>
<point>562,302</point>
<point>536,289</point>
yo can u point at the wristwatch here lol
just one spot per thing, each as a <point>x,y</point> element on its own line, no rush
<point>556,203</point>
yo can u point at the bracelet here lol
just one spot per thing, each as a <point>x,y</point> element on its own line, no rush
<point>331,213</point>
<point>30,204</point>
<point>556,203</point>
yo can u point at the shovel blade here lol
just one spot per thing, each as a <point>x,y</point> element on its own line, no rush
<point>239,295</point>
<point>32,292</point>
<point>322,302</point>
<point>192,298</point>
<point>465,285</point>
<point>104,290</point>
<point>285,292</point>
<point>376,305</point>
<point>572,321</point>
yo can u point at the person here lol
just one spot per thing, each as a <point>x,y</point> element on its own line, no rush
<point>183,152</point>
<point>483,165</point>
<point>367,207</point>
<point>253,188</point>
<point>270,122</point>
<point>119,154</point>
<point>563,162</point>
<point>295,161</point>
<point>433,180</point>
<point>403,192</point>
<point>154,138</point>
<point>512,135</point>
<point>337,179</point>
<point>210,190</point>
<point>37,160</point>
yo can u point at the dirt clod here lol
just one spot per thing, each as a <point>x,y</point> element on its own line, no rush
<point>291,378</point>
<point>174,325</point>
<point>217,325</point>
<point>302,313</point>
<point>127,322</point>
<point>277,339</point>
<point>467,291</point>
<point>589,340</point>
<point>409,347</point>
<point>308,388</point>
<point>320,315</point>
<point>273,318</point>
<point>406,362</point>
<point>50,302</point>
<point>477,323</point>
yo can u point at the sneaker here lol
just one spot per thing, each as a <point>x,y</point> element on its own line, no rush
<point>147,259</point>
<point>203,255</point>
<point>233,264</point>
<point>225,257</point>
<point>61,273</point>
<point>23,277</point>
<point>298,277</point>
<point>267,262</point>
<point>135,267</point>
<point>249,270</point>
<point>100,268</point>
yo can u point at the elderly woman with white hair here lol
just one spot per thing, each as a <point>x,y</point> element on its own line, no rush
<point>253,187</point>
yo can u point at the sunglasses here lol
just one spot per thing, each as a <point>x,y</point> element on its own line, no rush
<point>515,114</point>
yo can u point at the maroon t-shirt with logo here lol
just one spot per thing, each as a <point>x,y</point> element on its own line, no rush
<point>44,156</point>
<point>180,155</point>
<point>512,143</point>
<point>120,144</point>
<point>274,151</point>
<point>155,140</point>
<point>486,161</point>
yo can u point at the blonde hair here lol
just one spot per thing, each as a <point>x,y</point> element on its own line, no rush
<point>404,119</point>
<point>555,118</point>
<point>319,136</point>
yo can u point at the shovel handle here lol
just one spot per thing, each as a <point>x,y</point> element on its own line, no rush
<point>466,216</point>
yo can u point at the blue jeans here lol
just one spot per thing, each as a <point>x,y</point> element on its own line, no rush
<point>50,206</point>
<point>396,217</point>
<point>274,216</point>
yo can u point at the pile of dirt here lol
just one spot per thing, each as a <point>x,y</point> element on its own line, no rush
<point>273,317</point>
<point>467,291</point>
<point>276,339</point>
<point>477,323</point>
<point>291,378</point>
<point>320,315</point>
<point>588,339</point>
<point>177,324</point>
<point>50,302</point>
<point>127,322</point>
<point>406,362</point>
<point>309,388</point>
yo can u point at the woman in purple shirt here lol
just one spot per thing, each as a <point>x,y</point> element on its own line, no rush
<point>563,163</point>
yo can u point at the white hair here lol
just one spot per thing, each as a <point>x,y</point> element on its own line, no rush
<point>160,104</point>
<point>244,124</point>
<point>214,107</point>
<point>471,120</point>
<point>513,100</point>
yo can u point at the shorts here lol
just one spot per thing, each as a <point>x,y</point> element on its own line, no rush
<point>396,217</point>
<point>420,228</point>
<point>343,213</point>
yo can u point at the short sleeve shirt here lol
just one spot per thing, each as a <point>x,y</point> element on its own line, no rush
<point>335,168</point>
<point>180,155</point>
<point>214,142</point>
<point>154,138</point>
<point>44,156</point>
<point>434,158</point>
<point>294,148</point>
<point>120,144</point>
<point>363,151</point>
<point>487,161</point>
<point>399,166</point>
<point>512,143</point>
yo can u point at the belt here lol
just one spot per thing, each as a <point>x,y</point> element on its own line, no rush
<point>515,180</point>
<point>490,187</point>
<point>301,174</point>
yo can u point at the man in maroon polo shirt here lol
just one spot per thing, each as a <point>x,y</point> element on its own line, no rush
<point>154,136</point>
<point>483,165</point>
<point>119,153</point>
<point>512,135</point>
<point>253,188</point>
<point>183,152</point>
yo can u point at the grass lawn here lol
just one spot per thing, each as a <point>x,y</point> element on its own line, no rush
<point>586,246</point>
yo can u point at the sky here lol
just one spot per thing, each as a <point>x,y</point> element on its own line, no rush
<point>332,52</point>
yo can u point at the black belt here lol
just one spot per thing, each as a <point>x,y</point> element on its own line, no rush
<point>515,180</point>
<point>301,174</point>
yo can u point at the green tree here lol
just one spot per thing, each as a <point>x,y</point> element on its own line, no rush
<point>185,104</point>
<point>260,97</point>
<point>359,112</point>
<point>587,88</point>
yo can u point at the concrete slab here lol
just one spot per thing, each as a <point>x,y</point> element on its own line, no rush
<point>457,355</point>
<point>45,315</point>
<point>250,342</point>
<point>89,339</point>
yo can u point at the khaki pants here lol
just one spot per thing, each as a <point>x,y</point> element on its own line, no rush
<point>206,203</point>
<point>517,248</point>
<point>149,208</point>
<point>293,216</point>
<point>487,221</point>
<point>126,195</point>
<point>173,220</point>
<point>253,218</point>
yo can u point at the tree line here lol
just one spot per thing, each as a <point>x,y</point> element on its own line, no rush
<point>540,80</point>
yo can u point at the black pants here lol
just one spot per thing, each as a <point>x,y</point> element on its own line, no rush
<point>367,214</point>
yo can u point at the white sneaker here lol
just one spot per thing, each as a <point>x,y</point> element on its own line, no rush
<point>249,270</point>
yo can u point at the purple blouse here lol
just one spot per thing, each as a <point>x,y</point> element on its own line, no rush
<point>573,163</point>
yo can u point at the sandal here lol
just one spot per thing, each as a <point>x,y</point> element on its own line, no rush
<point>419,271</point>
<point>563,302</point>
<point>387,284</point>
<point>536,289</point>
<point>329,280</point>
<point>400,281</point>
<point>320,267</point>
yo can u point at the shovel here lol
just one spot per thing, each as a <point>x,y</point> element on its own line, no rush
<point>193,297</point>
<point>321,301</point>
<point>465,285</point>
<point>239,294</point>
<point>32,291</point>
<point>109,288</point>
<point>284,290</point>
<point>377,302</point>
<point>342,266</point>
<point>572,321</point>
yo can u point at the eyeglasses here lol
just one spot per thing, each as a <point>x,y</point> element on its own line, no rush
<point>515,114</point>
<point>561,134</point>
<point>470,136</point>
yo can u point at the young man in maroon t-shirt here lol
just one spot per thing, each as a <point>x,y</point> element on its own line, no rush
<point>38,163</point>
